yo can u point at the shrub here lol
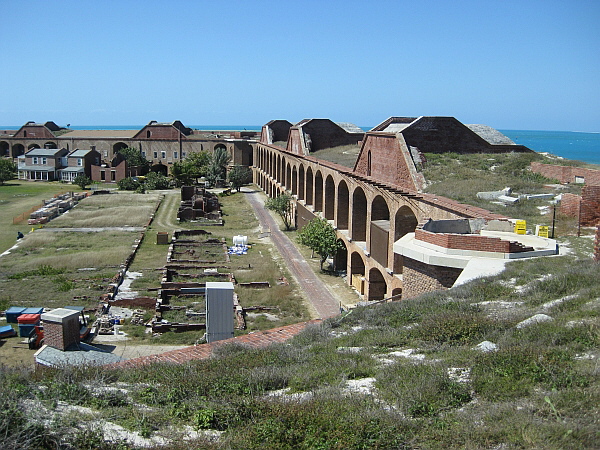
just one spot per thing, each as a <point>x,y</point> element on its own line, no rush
<point>128,184</point>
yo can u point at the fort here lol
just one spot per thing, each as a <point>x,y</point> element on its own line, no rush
<point>378,207</point>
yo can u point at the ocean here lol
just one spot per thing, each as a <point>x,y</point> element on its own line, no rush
<point>576,145</point>
<point>568,144</point>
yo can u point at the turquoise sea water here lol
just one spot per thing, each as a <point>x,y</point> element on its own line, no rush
<point>568,144</point>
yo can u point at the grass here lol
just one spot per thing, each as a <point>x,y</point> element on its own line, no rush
<point>539,389</point>
<point>114,210</point>
<point>17,197</point>
<point>460,177</point>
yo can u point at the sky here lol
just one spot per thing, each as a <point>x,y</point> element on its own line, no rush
<point>516,65</point>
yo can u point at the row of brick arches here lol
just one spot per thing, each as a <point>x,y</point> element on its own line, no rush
<point>368,218</point>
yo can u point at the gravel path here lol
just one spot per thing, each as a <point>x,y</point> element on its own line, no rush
<point>316,291</point>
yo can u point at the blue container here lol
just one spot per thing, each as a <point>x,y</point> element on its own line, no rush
<point>13,313</point>
<point>33,311</point>
<point>25,329</point>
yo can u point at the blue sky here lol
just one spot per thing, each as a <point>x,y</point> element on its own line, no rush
<point>508,64</point>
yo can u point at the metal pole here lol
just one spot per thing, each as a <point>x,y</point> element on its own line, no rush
<point>553,218</point>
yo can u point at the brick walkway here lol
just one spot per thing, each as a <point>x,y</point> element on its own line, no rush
<point>257,339</point>
<point>316,291</point>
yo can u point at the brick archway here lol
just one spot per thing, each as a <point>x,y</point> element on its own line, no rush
<point>329,198</point>
<point>377,287</point>
<point>359,215</point>
<point>343,206</point>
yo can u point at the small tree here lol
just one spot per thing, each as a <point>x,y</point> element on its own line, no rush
<point>194,166</point>
<point>320,237</point>
<point>8,170</point>
<point>134,158</point>
<point>217,170</point>
<point>239,175</point>
<point>128,184</point>
<point>155,180</point>
<point>283,206</point>
<point>82,181</point>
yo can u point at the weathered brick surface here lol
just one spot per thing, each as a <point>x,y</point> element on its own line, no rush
<point>567,174</point>
<point>420,278</point>
<point>588,202</point>
<point>258,339</point>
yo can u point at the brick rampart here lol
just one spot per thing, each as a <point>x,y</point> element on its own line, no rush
<point>419,278</point>
<point>258,339</point>
<point>567,174</point>
<point>469,242</point>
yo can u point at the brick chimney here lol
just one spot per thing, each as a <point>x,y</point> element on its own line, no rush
<point>61,328</point>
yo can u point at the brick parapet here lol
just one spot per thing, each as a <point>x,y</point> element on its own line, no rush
<point>419,278</point>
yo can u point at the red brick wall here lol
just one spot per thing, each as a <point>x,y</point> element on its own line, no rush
<point>589,201</point>
<point>567,174</point>
<point>61,337</point>
<point>419,278</point>
<point>388,161</point>
<point>590,206</point>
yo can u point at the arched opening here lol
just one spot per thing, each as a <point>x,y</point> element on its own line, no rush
<point>397,293</point>
<point>359,216</point>
<point>329,198</point>
<point>32,146</point>
<point>357,272</point>
<point>50,145</point>
<point>309,186</point>
<point>318,191</point>
<point>278,174</point>
<point>4,148</point>
<point>18,150</point>
<point>159,168</point>
<point>405,222</point>
<point>343,199</point>
<point>118,146</point>
<point>379,236</point>
<point>301,182</point>
<point>377,285</point>
<point>294,181</point>
<point>340,262</point>
<point>148,134</point>
<point>369,163</point>
<point>288,177</point>
<point>283,180</point>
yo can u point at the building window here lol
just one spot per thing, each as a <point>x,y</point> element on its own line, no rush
<point>103,175</point>
<point>113,175</point>
<point>79,162</point>
<point>44,161</point>
<point>148,134</point>
<point>163,155</point>
<point>183,154</point>
<point>144,154</point>
<point>24,133</point>
<point>155,155</point>
<point>175,154</point>
<point>35,160</point>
